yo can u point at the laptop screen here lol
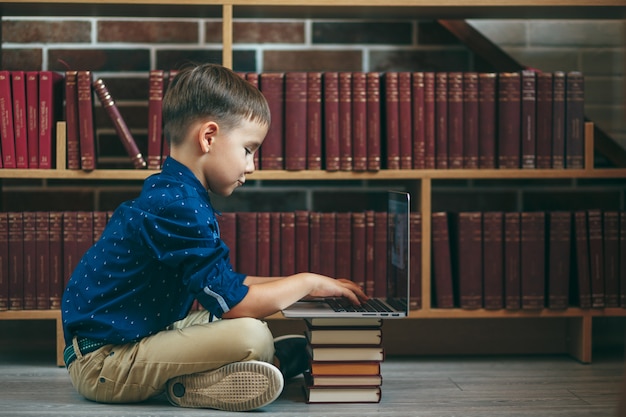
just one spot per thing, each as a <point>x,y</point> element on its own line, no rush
<point>398,264</point>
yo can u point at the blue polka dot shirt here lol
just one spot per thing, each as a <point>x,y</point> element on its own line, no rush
<point>157,254</point>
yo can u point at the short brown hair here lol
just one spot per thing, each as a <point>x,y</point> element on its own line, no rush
<point>210,90</point>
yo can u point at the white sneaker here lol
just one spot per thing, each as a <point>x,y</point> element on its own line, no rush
<point>239,386</point>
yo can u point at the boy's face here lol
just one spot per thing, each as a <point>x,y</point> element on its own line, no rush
<point>230,157</point>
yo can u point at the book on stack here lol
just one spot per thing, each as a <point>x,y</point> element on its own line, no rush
<point>345,357</point>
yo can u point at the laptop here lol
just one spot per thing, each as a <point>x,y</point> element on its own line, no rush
<point>395,304</point>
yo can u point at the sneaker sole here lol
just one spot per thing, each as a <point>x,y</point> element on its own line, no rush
<point>239,386</point>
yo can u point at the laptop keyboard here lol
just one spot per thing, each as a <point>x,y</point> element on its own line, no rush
<point>371,305</point>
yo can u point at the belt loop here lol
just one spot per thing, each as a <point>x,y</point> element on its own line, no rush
<point>77,351</point>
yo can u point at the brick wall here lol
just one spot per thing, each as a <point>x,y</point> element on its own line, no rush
<point>123,50</point>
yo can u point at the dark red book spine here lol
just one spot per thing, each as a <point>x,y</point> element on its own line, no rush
<point>373,121</point>
<point>42,260</point>
<point>7,134</point>
<point>29,272</point>
<point>509,118</point>
<point>4,261</point>
<point>415,271</point>
<point>470,120</point>
<point>84,232</point>
<point>331,120</point>
<point>493,260</point>
<point>558,257</point>
<point>487,105</point>
<point>32,118</point>
<point>16,261</point>
<point>295,120</point>
<point>574,120</point>
<point>441,120</point>
<point>441,262</point>
<point>345,121</point>
<point>85,117</point>
<point>272,85</point>
<point>263,249</point>
<point>529,119</point>
<point>582,281</point>
<point>314,121</point>
<point>558,120</point>
<point>156,81</point>
<point>50,108</point>
<point>275,243</point>
<point>99,223</point>
<point>380,253</point>
<point>288,243</point>
<point>611,258</point>
<point>544,120</point>
<point>18,84</point>
<point>71,120</point>
<point>370,260</point>
<point>405,120</point>
<point>328,243</point>
<point>455,120</point>
<point>359,121</point>
<point>358,248</point>
<point>56,279</point>
<point>429,120</point>
<point>418,134</point>
<point>467,261</point>
<point>302,240</point>
<point>315,254</point>
<point>512,251</point>
<point>533,260</point>
<point>247,243</point>
<point>392,121</point>
<point>596,257</point>
<point>228,233</point>
<point>343,245</point>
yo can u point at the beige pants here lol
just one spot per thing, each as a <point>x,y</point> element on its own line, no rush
<point>137,371</point>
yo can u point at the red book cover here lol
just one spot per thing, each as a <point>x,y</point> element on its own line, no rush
<point>441,120</point>
<point>7,134</point>
<point>32,118</point>
<point>373,120</point>
<point>4,261</point>
<point>429,120</point>
<point>71,120</point>
<point>228,233</point>
<point>84,232</point>
<point>533,260</point>
<point>582,277</point>
<point>487,105</point>
<point>392,128</point>
<point>359,121</point>
<point>622,256</point>
<point>315,253</point>
<point>343,245</point>
<point>345,121</point>
<point>405,119</point>
<point>467,262</point>
<point>493,260</point>
<point>18,84</point>
<point>611,258</point>
<point>55,247</point>
<point>380,253</point>
<point>302,240</point>
<point>509,120</point>
<point>295,120</point>
<point>247,243</point>
<point>544,120</point>
<point>596,257</point>
<point>16,261</point>
<point>443,294</point>
<point>328,230</point>
<point>331,120</point>
<point>275,244</point>
<point>574,120</point>
<point>558,257</point>
<point>50,108</point>
<point>272,86</point>
<point>512,270</point>
<point>99,223</point>
<point>358,250</point>
<point>418,134</point>
<point>263,249</point>
<point>314,121</point>
<point>42,260</point>
<point>470,120</point>
<point>455,120</point>
<point>370,260</point>
<point>29,270</point>
<point>415,236</point>
<point>288,243</point>
<point>156,82</point>
<point>70,245</point>
<point>529,119</point>
<point>85,117</point>
<point>558,120</point>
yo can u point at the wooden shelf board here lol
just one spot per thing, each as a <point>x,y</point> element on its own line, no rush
<point>30,315</point>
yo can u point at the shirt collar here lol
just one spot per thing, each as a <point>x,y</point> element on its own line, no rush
<point>181,172</point>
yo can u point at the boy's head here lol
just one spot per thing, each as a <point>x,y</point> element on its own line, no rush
<point>210,91</point>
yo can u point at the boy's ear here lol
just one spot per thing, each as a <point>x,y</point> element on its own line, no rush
<point>206,135</point>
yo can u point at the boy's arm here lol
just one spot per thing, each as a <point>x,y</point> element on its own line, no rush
<point>267,296</point>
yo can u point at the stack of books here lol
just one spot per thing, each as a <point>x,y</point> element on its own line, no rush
<point>345,354</point>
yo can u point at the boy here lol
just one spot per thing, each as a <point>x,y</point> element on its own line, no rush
<point>127,326</point>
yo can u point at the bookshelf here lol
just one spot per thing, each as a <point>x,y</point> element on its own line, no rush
<point>579,321</point>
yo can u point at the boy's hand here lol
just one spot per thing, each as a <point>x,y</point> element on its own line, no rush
<point>340,287</point>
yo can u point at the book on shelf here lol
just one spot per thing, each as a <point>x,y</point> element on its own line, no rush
<point>373,106</point>
<point>380,254</point>
<point>358,248</point>
<point>315,394</point>
<point>345,121</point>
<point>471,116</point>
<point>611,258</point>
<point>4,261</point>
<point>29,265</point>
<point>328,230</point>
<point>580,263</point>
<point>558,241</point>
<point>596,257</point>
<point>314,121</point>
<point>86,132</point>
<point>16,260</point>
<point>558,120</point>
<point>529,119</point>
<point>56,272</point>
<point>487,116</point>
<point>455,120</point>
<point>228,233</point>
<point>272,85</point>
<point>509,123</point>
<point>246,228</point>
<point>429,120</point>
<point>50,110</point>
<point>467,259</point>
<point>287,259</point>
<point>391,120</point>
<point>370,255</point>
<point>315,247</point>
<point>343,245</point>
<point>359,121</point>
<point>512,253</point>
<point>405,119</point>
<point>415,241</point>
<point>543,148</point>
<point>156,88</point>
<point>330,100</point>
<point>493,260</point>
<point>302,240</point>
<point>71,120</point>
<point>18,86</point>
<point>263,248</point>
<point>532,259</point>
<point>443,295</point>
<point>574,120</point>
<point>295,129</point>
<point>7,135</point>
<point>342,380</point>
<point>419,124</point>
<point>441,120</point>
<point>32,118</point>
